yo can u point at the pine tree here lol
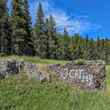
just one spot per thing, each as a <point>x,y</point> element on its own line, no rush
<point>7,35</point>
<point>5,29</point>
<point>92,49</point>
<point>22,41</point>
<point>29,48</point>
<point>100,49</point>
<point>78,51</point>
<point>2,14</point>
<point>52,41</point>
<point>87,41</point>
<point>86,47</point>
<point>18,25</point>
<point>107,51</point>
<point>67,54</point>
<point>40,39</point>
<point>2,8</point>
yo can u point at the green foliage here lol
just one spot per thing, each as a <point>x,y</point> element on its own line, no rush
<point>36,60</point>
<point>66,48</point>
<point>17,36</point>
<point>2,8</point>
<point>80,62</point>
<point>5,29</point>
<point>20,93</point>
<point>3,55</point>
<point>52,40</point>
<point>40,38</point>
<point>22,39</point>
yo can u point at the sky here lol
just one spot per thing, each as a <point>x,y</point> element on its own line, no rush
<point>87,17</point>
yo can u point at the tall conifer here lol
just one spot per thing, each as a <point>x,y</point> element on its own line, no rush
<point>5,28</point>
<point>22,41</point>
<point>29,48</point>
<point>40,39</point>
<point>52,37</point>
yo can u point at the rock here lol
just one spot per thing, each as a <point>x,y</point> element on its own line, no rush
<point>89,76</point>
<point>31,70</point>
<point>34,71</point>
<point>55,67</point>
<point>9,67</point>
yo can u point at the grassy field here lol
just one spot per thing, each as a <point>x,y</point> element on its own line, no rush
<point>20,93</point>
<point>35,60</point>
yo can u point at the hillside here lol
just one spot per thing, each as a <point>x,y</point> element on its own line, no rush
<point>20,93</point>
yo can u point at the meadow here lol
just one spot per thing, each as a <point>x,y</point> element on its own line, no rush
<point>20,93</point>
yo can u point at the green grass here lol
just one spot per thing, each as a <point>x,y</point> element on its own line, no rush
<point>36,60</point>
<point>20,93</point>
<point>108,79</point>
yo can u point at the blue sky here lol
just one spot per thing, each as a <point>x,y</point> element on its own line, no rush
<point>90,17</point>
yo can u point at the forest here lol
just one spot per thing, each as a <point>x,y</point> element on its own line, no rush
<point>19,37</point>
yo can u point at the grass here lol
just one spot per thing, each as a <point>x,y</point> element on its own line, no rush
<point>108,79</point>
<point>35,60</point>
<point>20,93</point>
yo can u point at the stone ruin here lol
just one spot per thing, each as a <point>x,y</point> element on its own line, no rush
<point>9,67</point>
<point>87,76</point>
<point>13,66</point>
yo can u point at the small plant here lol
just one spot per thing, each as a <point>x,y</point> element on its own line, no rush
<point>3,55</point>
<point>80,62</point>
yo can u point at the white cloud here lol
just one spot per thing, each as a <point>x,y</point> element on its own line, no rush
<point>79,24</point>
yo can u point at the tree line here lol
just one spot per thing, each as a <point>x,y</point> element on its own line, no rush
<point>19,37</point>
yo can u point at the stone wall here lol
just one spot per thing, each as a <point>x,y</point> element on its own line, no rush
<point>91,76</point>
<point>12,67</point>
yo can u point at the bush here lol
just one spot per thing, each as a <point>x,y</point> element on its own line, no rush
<point>3,55</point>
<point>80,62</point>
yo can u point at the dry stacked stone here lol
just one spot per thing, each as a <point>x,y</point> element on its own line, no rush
<point>90,75</point>
<point>12,67</point>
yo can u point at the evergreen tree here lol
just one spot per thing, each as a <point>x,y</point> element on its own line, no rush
<point>18,25</point>
<point>98,42</point>
<point>87,41</point>
<point>16,36</point>
<point>28,41</point>
<point>52,41</point>
<point>2,14</point>
<point>107,51</point>
<point>67,54</point>
<point>5,29</point>
<point>40,39</point>
<point>86,47</point>
<point>22,41</point>
<point>92,49</point>
<point>2,8</point>
<point>100,48</point>
<point>7,35</point>
<point>78,51</point>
